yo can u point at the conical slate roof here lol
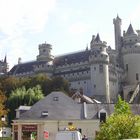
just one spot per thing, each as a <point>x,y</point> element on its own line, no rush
<point>118,17</point>
<point>97,39</point>
<point>130,30</point>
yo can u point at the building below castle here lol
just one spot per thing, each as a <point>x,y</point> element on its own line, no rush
<point>100,71</point>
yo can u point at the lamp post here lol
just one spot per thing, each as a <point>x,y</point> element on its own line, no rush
<point>3,120</point>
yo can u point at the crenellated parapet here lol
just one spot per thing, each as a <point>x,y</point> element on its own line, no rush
<point>45,52</point>
<point>43,68</point>
<point>129,49</point>
<point>97,57</point>
<point>98,52</point>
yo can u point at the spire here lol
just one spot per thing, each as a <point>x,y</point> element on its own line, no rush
<point>5,59</point>
<point>97,39</point>
<point>130,30</point>
<point>118,17</point>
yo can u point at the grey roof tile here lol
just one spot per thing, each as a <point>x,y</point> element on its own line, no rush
<point>130,30</point>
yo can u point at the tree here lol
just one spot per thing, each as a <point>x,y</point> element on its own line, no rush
<point>8,84</point>
<point>23,96</point>
<point>122,107</point>
<point>122,124</point>
<point>58,83</point>
<point>3,110</point>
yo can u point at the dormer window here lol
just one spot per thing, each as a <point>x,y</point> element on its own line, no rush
<point>44,113</point>
<point>55,98</point>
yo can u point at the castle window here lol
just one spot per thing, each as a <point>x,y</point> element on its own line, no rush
<point>79,83</point>
<point>84,82</point>
<point>130,40</point>
<point>137,76</point>
<point>126,67</point>
<point>94,68</point>
<point>94,86</point>
<point>101,68</point>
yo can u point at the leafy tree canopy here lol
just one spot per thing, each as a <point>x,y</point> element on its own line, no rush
<point>23,96</point>
<point>121,107</point>
<point>122,124</point>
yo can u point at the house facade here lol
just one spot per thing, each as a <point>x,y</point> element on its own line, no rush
<point>54,113</point>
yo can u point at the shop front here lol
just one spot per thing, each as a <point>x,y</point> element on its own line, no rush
<point>25,132</point>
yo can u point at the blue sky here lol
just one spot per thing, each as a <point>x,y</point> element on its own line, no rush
<point>66,24</point>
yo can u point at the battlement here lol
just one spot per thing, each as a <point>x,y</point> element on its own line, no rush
<point>131,49</point>
<point>99,58</point>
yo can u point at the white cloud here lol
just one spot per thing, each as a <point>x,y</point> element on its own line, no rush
<point>24,14</point>
<point>21,17</point>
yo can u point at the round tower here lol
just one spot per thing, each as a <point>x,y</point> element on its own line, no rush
<point>117,31</point>
<point>131,56</point>
<point>99,61</point>
<point>45,52</point>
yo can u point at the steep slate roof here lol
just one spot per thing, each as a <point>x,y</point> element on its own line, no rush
<point>72,58</point>
<point>25,67</point>
<point>130,30</point>
<point>78,57</point>
<point>97,39</point>
<point>65,108</point>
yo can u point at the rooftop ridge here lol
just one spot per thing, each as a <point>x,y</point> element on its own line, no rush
<point>69,53</point>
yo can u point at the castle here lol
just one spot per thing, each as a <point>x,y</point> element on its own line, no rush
<point>100,71</point>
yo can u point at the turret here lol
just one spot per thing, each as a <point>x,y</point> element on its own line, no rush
<point>130,37</point>
<point>99,60</point>
<point>117,31</point>
<point>131,55</point>
<point>45,52</point>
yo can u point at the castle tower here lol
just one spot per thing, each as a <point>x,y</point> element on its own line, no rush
<point>131,55</point>
<point>45,52</point>
<point>117,31</point>
<point>99,61</point>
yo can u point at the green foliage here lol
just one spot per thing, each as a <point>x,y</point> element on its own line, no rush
<point>25,90</point>
<point>8,84</point>
<point>122,124</point>
<point>122,107</point>
<point>23,96</point>
<point>59,84</point>
<point>6,138</point>
<point>118,127</point>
